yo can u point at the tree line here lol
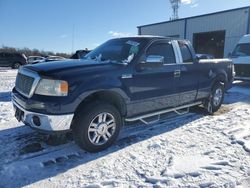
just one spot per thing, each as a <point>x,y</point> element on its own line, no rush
<point>32,52</point>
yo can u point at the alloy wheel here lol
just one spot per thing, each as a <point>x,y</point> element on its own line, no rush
<point>218,94</point>
<point>101,128</point>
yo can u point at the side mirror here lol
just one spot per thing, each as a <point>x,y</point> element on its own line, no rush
<point>153,61</point>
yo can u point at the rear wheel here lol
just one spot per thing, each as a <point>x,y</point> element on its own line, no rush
<point>214,102</point>
<point>97,126</point>
<point>16,65</point>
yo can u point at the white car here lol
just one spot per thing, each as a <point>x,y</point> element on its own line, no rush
<point>241,58</point>
<point>54,58</point>
<point>35,59</point>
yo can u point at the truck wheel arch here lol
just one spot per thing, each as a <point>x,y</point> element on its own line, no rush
<point>110,97</point>
<point>220,77</point>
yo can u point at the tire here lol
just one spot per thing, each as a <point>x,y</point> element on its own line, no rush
<point>96,126</point>
<point>214,102</point>
<point>16,65</point>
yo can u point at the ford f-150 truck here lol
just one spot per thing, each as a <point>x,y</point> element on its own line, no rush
<point>124,79</point>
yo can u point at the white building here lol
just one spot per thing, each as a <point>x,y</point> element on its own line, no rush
<point>215,33</point>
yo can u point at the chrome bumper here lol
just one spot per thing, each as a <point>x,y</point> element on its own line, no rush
<point>47,122</point>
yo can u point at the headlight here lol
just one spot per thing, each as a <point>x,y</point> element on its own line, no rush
<point>52,87</point>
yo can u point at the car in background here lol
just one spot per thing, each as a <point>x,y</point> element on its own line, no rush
<point>204,56</point>
<point>13,60</point>
<point>35,59</point>
<point>54,58</point>
<point>79,54</point>
<point>241,59</point>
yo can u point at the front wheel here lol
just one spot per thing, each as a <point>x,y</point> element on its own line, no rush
<point>214,102</point>
<point>97,126</point>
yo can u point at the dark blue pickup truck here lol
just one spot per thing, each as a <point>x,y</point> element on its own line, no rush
<point>124,79</point>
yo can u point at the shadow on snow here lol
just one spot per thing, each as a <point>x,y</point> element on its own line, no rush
<point>129,135</point>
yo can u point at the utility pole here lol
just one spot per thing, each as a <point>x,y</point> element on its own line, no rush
<point>175,6</point>
<point>73,38</point>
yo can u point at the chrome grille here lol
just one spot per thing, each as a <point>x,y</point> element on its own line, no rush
<point>24,84</point>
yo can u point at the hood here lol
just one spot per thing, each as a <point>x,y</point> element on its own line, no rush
<point>66,65</point>
<point>241,60</point>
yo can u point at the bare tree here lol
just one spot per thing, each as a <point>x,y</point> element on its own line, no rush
<point>33,52</point>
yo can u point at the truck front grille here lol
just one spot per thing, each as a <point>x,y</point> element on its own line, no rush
<point>242,70</point>
<point>24,84</point>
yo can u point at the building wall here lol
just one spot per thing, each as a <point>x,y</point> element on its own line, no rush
<point>169,29</point>
<point>235,22</point>
<point>248,21</point>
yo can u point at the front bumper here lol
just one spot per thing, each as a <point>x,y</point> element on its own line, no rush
<point>48,123</point>
<point>242,78</point>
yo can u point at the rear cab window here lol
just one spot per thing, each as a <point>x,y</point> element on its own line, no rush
<point>185,52</point>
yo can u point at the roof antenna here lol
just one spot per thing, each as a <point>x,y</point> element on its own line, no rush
<point>175,6</point>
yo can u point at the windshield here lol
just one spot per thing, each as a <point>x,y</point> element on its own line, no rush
<point>242,50</point>
<point>117,50</point>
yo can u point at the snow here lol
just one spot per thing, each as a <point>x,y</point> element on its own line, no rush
<point>193,150</point>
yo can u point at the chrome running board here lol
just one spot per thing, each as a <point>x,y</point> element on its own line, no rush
<point>142,117</point>
<point>183,112</point>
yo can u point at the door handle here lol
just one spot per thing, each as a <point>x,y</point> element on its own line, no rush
<point>177,73</point>
<point>126,76</point>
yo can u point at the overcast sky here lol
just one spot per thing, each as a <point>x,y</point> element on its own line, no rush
<point>52,24</point>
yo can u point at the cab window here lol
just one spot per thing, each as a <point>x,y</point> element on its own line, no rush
<point>163,49</point>
<point>242,50</point>
<point>185,52</point>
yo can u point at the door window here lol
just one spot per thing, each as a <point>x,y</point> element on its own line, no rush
<point>163,49</point>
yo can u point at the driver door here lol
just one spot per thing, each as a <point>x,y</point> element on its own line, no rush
<point>153,88</point>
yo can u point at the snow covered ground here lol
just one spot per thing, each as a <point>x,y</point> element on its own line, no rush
<point>193,150</point>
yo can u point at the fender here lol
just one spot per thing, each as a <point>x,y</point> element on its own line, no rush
<point>114,86</point>
<point>219,75</point>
